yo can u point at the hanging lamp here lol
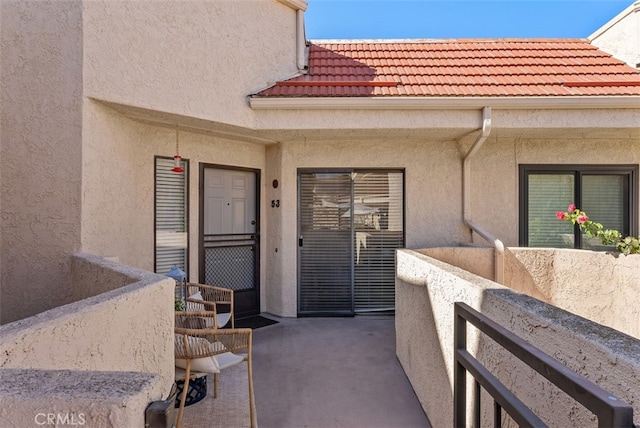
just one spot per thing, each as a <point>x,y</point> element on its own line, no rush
<point>177,158</point>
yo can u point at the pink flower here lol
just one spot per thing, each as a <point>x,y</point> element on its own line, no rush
<point>582,219</point>
<point>572,208</point>
<point>561,215</point>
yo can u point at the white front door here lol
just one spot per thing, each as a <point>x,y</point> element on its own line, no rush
<point>229,250</point>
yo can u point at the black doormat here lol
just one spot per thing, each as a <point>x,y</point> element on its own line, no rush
<point>255,321</point>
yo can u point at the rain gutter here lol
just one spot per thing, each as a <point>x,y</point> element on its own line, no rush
<point>466,197</point>
<point>439,103</point>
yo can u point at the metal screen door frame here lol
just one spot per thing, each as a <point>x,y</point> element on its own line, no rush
<point>231,257</point>
<point>350,221</point>
<point>325,271</point>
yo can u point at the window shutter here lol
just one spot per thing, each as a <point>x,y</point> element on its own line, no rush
<point>171,225</point>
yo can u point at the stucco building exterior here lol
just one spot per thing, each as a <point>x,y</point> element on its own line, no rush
<point>620,36</point>
<point>94,93</point>
<point>305,165</point>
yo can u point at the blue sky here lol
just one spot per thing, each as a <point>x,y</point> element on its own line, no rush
<point>433,19</point>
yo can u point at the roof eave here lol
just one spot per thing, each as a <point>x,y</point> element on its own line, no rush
<point>452,103</point>
<point>295,4</point>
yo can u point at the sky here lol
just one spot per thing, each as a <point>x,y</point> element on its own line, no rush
<point>437,19</point>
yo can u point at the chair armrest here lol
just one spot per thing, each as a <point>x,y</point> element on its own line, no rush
<point>197,305</point>
<point>194,323</point>
<point>235,339</point>
<point>211,293</point>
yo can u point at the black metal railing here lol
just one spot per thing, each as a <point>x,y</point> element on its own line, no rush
<point>611,411</point>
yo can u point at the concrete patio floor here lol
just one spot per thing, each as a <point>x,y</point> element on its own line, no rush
<point>317,373</point>
<point>332,372</point>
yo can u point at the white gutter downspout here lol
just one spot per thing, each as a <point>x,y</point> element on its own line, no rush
<point>466,197</point>
<point>301,39</point>
<point>301,42</point>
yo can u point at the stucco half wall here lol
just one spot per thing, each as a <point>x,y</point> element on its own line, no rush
<point>426,290</point>
<point>106,356</point>
<point>596,285</point>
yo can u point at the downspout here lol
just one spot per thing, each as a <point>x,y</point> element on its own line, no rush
<point>301,42</point>
<point>466,197</point>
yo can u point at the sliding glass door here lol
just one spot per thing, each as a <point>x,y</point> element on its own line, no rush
<point>349,224</point>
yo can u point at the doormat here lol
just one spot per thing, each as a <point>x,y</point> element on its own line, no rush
<point>254,322</point>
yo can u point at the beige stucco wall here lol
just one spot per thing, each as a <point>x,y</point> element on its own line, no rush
<point>118,184</point>
<point>194,64</point>
<point>494,172</point>
<point>621,36</point>
<point>425,292</point>
<point>433,192</point>
<point>116,347</point>
<point>595,285</point>
<point>197,58</point>
<point>63,154</point>
<point>479,261</point>
<point>127,329</point>
<point>196,73</point>
<point>277,254</point>
<point>41,145</point>
<point>94,399</point>
<point>510,118</point>
<point>432,189</point>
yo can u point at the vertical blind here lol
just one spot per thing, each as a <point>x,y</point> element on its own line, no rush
<point>350,225</point>
<point>602,196</point>
<point>171,225</point>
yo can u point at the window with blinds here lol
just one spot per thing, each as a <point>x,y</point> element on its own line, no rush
<point>350,223</point>
<point>549,193</point>
<point>606,193</point>
<point>171,215</point>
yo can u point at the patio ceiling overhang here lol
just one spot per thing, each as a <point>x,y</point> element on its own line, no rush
<point>189,123</point>
<point>446,118</point>
<point>409,119</point>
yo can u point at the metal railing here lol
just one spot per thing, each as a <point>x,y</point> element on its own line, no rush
<point>611,411</point>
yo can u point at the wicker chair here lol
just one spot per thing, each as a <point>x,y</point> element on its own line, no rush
<point>200,350</point>
<point>202,297</point>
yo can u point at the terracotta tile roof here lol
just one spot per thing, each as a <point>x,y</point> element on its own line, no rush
<point>466,67</point>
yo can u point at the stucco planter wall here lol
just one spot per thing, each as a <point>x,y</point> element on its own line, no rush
<point>599,286</point>
<point>112,337</point>
<point>425,292</point>
<point>596,285</point>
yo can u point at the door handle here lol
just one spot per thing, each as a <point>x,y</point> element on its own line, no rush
<point>253,222</point>
<point>300,242</point>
